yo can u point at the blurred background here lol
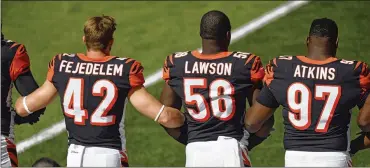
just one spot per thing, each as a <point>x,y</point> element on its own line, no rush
<point>148,32</point>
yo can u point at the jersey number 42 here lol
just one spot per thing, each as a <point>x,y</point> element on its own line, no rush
<point>73,102</point>
<point>220,93</point>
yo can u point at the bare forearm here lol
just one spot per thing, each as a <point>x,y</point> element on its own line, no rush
<point>37,100</point>
<point>146,104</point>
<point>266,128</point>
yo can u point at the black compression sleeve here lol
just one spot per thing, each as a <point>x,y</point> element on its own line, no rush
<point>255,140</point>
<point>25,84</point>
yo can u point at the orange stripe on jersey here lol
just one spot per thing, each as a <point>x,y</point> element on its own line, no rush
<point>199,55</point>
<point>102,59</point>
<point>129,60</point>
<point>171,58</point>
<point>316,62</point>
<point>274,61</point>
<point>269,73</point>
<point>166,69</point>
<point>249,59</point>
<point>365,77</point>
<point>20,63</point>
<point>50,74</point>
<point>15,44</point>
<point>358,64</point>
<point>136,76</point>
<point>257,71</point>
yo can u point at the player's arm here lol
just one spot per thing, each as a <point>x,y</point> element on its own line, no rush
<point>171,99</point>
<point>363,119</point>
<point>257,74</point>
<point>147,105</point>
<point>263,107</point>
<point>37,100</point>
<point>24,82</point>
<point>256,116</point>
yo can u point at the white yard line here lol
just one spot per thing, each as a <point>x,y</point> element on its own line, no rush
<point>237,34</point>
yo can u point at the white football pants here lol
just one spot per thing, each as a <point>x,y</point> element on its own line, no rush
<point>317,159</point>
<point>225,152</point>
<point>81,156</point>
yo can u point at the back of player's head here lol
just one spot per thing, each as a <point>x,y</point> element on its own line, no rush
<point>214,25</point>
<point>324,27</point>
<point>99,32</point>
<point>45,162</point>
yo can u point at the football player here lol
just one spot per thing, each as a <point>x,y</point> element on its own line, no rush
<point>15,71</point>
<point>213,86</point>
<point>93,88</point>
<point>317,93</point>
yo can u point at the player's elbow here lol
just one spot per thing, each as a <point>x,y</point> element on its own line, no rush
<point>20,109</point>
<point>266,128</point>
<point>364,123</point>
<point>251,126</point>
<point>172,118</point>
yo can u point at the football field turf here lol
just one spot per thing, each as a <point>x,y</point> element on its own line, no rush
<point>149,31</point>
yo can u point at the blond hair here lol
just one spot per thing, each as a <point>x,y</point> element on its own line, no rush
<point>99,31</point>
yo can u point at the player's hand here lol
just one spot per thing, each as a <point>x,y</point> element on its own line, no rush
<point>30,119</point>
<point>172,117</point>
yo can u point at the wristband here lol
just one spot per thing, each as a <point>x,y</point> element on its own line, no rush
<point>25,105</point>
<point>159,113</point>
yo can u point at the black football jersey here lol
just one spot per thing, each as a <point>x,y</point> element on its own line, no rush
<point>317,98</point>
<point>213,89</point>
<point>14,62</point>
<point>93,96</point>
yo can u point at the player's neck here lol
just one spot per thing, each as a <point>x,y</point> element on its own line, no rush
<point>320,53</point>
<point>96,54</point>
<point>213,47</point>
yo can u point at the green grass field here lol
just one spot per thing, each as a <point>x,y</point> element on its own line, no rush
<point>149,31</point>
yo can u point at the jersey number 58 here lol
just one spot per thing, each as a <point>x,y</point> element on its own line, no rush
<point>220,94</point>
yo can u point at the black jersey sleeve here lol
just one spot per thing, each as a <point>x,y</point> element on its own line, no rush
<point>254,66</point>
<point>167,67</point>
<point>20,63</point>
<point>51,67</point>
<point>267,98</point>
<point>135,73</point>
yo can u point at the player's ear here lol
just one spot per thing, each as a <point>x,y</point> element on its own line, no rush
<point>228,35</point>
<point>307,41</point>
<point>110,43</point>
<point>84,39</point>
<point>336,43</point>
